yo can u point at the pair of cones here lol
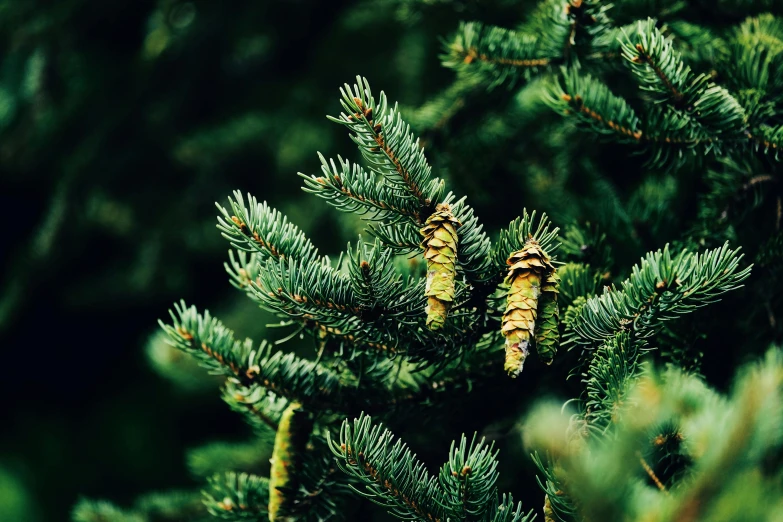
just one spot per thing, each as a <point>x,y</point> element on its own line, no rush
<point>531,307</point>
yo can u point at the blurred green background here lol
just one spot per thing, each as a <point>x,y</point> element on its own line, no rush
<point>120,125</point>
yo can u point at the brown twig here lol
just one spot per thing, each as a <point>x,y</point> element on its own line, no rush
<point>580,106</point>
<point>644,57</point>
<point>651,473</point>
<point>472,54</point>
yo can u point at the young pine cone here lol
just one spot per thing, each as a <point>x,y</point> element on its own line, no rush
<point>290,441</point>
<point>440,252</point>
<point>530,272</point>
<point>547,333</point>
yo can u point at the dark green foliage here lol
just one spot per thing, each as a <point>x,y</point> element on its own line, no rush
<point>374,352</point>
<point>663,420</point>
<point>394,478</point>
<point>237,496</point>
<point>697,96</point>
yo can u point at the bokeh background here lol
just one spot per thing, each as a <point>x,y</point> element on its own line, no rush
<point>121,123</point>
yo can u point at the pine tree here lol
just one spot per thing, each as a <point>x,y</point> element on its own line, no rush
<point>378,354</point>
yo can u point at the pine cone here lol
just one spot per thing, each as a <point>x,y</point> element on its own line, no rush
<point>440,251</point>
<point>528,267</point>
<point>293,431</point>
<point>547,333</point>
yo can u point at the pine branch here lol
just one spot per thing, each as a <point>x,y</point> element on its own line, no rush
<point>350,188</point>
<point>591,103</point>
<point>284,374</point>
<point>495,53</point>
<point>660,288</point>
<point>391,474</point>
<point>263,230</point>
<point>659,69</point>
<point>612,370</point>
<point>237,496</point>
<point>468,480</point>
<point>388,145</point>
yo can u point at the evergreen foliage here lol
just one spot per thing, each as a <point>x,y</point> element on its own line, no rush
<point>379,352</point>
<point>637,442</point>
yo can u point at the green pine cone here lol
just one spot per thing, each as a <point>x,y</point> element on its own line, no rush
<point>547,333</point>
<point>440,251</point>
<point>292,435</point>
<point>530,277</point>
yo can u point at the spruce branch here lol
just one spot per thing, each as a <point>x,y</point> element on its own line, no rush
<point>660,288</point>
<point>219,457</point>
<point>391,474</point>
<point>205,337</point>
<point>495,53</point>
<point>243,269</point>
<point>260,408</point>
<point>256,227</point>
<point>474,247</point>
<point>388,145</point>
<point>102,511</point>
<point>767,139</point>
<point>659,69</point>
<point>393,477</point>
<point>291,288</point>
<point>237,496</point>
<point>469,479</point>
<point>350,188</point>
<point>756,56</point>
<point>377,287</point>
<point>592,103</point>
<point>577,280</point>
<point>286,375</point>
<point>612,370</point>
<point>586,243</point>
<point>725,442</point>
<point>324,301</point>
<point>554,486</point>
<point>172,505</point>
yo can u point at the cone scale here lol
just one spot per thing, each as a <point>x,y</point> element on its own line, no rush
<point>531,276</point>
<point>440,252</point>
<point>292,434</point>
<point>547,333</point>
